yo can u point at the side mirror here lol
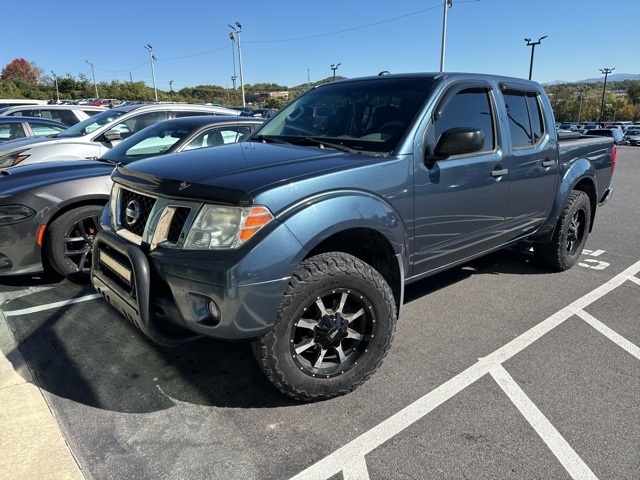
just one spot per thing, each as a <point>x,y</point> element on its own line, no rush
<point>458,141</point>
<point>112,136</point>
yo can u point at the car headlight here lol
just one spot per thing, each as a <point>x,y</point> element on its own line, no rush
<point>14,213</point>
<point>13,158</point>
<point>218,227</point>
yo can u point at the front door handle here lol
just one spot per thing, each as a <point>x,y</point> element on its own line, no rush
<point>548,162</point>
<point>499,173</point>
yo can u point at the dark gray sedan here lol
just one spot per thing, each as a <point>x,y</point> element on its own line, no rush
<point>49,211</point>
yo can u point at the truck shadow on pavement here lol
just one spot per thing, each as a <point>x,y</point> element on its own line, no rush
<point>516,260</point>
<point>88,353</point>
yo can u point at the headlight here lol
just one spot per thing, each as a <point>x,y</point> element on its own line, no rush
<point>13,158</point>
<point>217,227</point>
<point>14,213</point>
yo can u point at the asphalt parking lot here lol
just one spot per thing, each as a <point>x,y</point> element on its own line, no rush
<point>499,369</point>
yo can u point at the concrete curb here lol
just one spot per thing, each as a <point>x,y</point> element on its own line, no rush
<point>31,443</point>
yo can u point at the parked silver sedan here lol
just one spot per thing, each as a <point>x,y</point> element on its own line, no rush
<point>69,114</point>
<point>97,135</point>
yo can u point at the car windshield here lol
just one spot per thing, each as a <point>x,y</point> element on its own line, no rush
<point>153,140</point>
<point>633,132</point>
<point>93,123</point>
<point>365,116</point>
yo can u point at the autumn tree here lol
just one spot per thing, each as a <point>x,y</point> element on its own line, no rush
<point>19,70</point>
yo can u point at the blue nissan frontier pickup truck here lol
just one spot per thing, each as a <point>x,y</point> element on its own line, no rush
<point>302,238</point>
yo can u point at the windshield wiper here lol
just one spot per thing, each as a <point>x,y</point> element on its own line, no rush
<point>265,139</point>
<point>104,160</point>
<point>335,146</point>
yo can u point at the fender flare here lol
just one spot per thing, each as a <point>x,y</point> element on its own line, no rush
<point>579,172</point>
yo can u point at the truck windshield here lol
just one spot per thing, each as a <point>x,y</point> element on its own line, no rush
<point>367,116</point>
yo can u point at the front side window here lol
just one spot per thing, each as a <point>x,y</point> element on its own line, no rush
<point>91,124</point>
<point>137,123</point>
<point>43,130</point>
<point>525,118</point>
<point>216,136</point>
<point>470,108</point>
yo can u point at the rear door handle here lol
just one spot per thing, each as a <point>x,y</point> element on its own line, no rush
<point>499,173</point>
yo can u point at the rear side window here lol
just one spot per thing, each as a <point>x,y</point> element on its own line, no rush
<point>525,118</point>
<point>64,116</point>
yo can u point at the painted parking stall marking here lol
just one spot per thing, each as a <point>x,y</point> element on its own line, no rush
<point>593,263</point>
<point>49,306</point>
<point>350,459</point>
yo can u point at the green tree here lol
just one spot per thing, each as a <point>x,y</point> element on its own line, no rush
<point>633,91</point>
<point>274,102</point>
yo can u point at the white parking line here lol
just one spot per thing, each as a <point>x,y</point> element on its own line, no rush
<point>49,306</point>
<point>350,458</point>
<point>543,427</point>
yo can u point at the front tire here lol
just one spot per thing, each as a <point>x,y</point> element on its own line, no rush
<point>335,326</point>
<point>69,242</point>
<point>570,234</point>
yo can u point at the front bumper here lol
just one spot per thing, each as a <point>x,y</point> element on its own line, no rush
<point>19,252</point>
<point>175,296</point>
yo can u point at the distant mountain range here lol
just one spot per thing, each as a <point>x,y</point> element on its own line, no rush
<point>614,77</point>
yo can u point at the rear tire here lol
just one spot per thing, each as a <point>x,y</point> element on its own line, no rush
<point>69,242</point>
<point>570,235</point>
<point>335,326</point>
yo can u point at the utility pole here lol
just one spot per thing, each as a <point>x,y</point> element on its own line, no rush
<point>447,5</point>
<point>580,107</point>
<point>94,78</point>
<point>237,32</point>
<point>57,92</point>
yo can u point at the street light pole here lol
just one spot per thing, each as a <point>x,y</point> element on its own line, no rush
<point>580,107</point>
<point>606,72</point>
<point>57,92</point>
<point>153,72</point>
<point>94,78</point>
<point>447,5</point>
<point>238,31</point>
<point>533,47</point>
<point>171,87</point>
<point>334,68</point>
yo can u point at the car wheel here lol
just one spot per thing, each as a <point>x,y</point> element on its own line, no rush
<point>570,234</point>
<point>69,241</point>
<point>335,325</point>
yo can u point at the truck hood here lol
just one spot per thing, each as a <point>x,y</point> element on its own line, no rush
<point>245,166</point>
<point>22,178</point>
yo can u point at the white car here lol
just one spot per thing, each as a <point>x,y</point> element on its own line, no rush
<point>69,114</point>
<point>93,137</point>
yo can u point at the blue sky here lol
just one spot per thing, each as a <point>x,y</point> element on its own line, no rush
<point>292,42</point>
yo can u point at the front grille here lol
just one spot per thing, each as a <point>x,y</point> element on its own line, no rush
<point>177,224</point>
<point>152,221</point>
<point>135,211</point>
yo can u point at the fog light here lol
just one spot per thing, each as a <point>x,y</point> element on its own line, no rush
<point>5,262</point>
<point>214,311</point>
